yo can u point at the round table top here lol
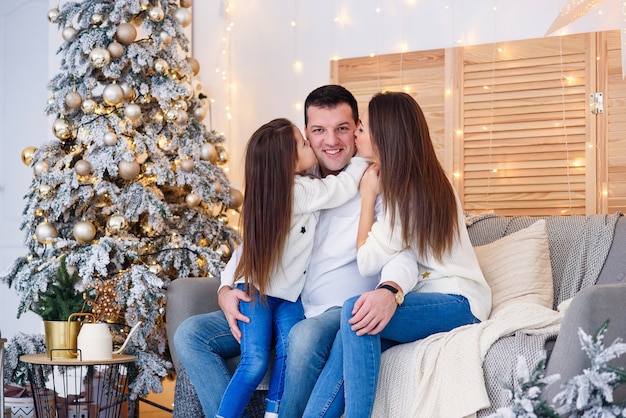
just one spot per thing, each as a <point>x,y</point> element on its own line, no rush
<point>46,360</point>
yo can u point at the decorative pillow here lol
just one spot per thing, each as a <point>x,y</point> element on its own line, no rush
<point>517,267</point>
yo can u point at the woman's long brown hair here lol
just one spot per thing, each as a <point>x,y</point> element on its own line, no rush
<point>414,186</point>
<point>271,157</point>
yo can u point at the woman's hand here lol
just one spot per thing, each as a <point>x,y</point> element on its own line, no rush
<point>370,185</point>
<point>373,311</point>
<point>228,300</point>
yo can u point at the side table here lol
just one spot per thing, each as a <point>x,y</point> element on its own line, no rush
<point>82,389</point>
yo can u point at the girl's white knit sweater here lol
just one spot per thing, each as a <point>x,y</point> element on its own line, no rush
<point>310,196</point>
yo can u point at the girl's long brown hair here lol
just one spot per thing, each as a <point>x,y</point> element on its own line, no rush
<point>414,186</point>
<point>270,162</point>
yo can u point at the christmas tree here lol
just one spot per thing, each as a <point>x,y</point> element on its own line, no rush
<point>132,190</point>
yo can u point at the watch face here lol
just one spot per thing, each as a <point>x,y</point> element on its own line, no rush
<point>399,298</point>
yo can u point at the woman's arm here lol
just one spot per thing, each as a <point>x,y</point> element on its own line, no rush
<point>370,189</point>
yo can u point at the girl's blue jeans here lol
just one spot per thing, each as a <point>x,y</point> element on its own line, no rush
<point>270,323</point>
<point>349,378</point>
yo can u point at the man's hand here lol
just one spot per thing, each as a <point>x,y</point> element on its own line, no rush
<point>228,300</point>
<point>372,312</point>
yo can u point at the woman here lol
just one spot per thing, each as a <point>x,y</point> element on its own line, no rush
<point>422,213</point>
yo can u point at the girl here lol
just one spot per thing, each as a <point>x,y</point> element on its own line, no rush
<point>279,217</point>
<point>421,212</point>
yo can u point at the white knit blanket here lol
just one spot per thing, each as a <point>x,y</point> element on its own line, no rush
<point>442,375</point>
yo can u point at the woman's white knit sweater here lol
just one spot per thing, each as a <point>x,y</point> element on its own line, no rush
<point>310,196</point>
<point>457,273</point>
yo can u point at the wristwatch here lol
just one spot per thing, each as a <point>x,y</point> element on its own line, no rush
<point>396,292</point>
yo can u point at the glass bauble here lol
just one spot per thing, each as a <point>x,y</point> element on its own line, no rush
<point>45,232</point>
<point>129,170</point>
<point>183,16</point>
<point>126,34</point>
<point>222,154</point>
<point>88,106</point>
<point>182,118</point>
<point>82,167</point>
<point>53,14</point>
<point>166,38</point>
<point>199,113</point>
<point>208,152</point>
<point>187,165</point>
<point>110,138</point>
<point>73,100</point>
<point>27,155</point>
<point>46,191</point>
<point>161,66</point>
<point>236,198</point>
<point>113,94</point>
<point>97,19</point>
<point>132,111</point>
<point>192,200</point>
<point>40,167</point>
<point>84,231</point>
<point>99,57</point>
<point>155,14</point>
<point>62,129</point>
<point>69,34</point>
<point>116,49</point>
<point>194,64</point>
<point>117,224</point>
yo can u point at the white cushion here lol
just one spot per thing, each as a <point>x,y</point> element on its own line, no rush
<point>517,267</point>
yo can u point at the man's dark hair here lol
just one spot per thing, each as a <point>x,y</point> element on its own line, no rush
<point>329,96</point>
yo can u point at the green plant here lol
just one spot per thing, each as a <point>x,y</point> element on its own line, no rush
<point>62,298</point>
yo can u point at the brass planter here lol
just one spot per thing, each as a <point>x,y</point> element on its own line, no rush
<point>61,338</point>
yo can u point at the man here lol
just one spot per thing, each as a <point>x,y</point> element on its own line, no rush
<point>204,342</point>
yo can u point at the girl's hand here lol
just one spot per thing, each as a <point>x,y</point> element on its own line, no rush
<point>370,184</point>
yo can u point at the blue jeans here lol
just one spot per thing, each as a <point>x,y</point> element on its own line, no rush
<point>354,390</point>
<point>270,320</point>
<point>310,343</point>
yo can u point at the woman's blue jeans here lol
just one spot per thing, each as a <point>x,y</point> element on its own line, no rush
<point>270,321</point>
<point>349,378</point>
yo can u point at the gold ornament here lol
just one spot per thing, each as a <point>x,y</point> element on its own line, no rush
<point>73,100</point>
<point>182,118</point>
<point>53,14</point>
<point>180,105</point>
<point>46,191</point>
<point>113,94</point>
<point>194,64</point>
<point>161,66</point>
<point>171,115</point>
<point>62,129</point>
<point>117,224</point>
<point>155,269</point>
<point>126,33</point>
<point>97,19</point>
<point>129,92</point>
<point>132,111</point>
<point>199,113</point>
<point>208,153</point>
<point>82,167</point>
<point>110,138</point>
<point>116,49</point>
<point>236,198</point>
<point>129,170</point>
<point>99,57</point>
<point>192,200</point>
<point>88,106</point>
<point>222,154</point>
<point>46,232</point>
<point>84,231</point>
<point>27,155</point>
<point>187,165</point>
<point>182,16</point>
<point>155,14</point>
<point>40,167</point>
<point>185,3</point>
<point>166,38</point>
<point>69,34</point>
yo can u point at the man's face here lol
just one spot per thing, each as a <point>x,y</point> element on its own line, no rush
<point>331,134</point>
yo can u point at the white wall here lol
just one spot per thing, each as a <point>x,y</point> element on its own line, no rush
<point>259,60</point>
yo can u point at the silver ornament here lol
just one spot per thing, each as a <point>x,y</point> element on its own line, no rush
<point>46,191</point>
<point>99,57</point>
<point>182,118</point>
<point>53,14</point>
<point>129,170</point>
<point>208,152</point>
<point>73,100</point>
<point>129,92</point>
<point>113,94</point>
<point>187,165</point>
<point>126,34</point>
<point>161,66</point>
<point>132,111</point>
<point>82,167</point>
<point>97,19</point>
<point>117,224</point>
<point>171,115</point>
<point>69,34</point>
<point>183,16</point>
<point>45,232</point>
<point>88,106</point>
<point>84,231</point>
<point>110,138</point>
<point>116,49</point>
<point>62,129</point>
<point>199,113</point>
<point>155,14</point>
<point>40,167</point>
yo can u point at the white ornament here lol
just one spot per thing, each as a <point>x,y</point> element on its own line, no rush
<point>99,57</point>
<point>40,167</point>
<point>183,16</point>
<point>116,49</point>
<point>110,138</point>
<point>132,111</point>
<point>69,34</point>
<point>113,94</point>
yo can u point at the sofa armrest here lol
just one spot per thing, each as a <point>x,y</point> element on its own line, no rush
<point>588,310</point>
<point>186,297</point>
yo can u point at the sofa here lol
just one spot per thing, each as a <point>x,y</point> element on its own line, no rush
<point>582,285</point>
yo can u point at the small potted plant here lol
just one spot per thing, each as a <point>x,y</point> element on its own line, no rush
<point>55,306</point>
